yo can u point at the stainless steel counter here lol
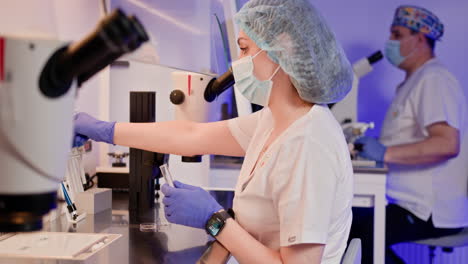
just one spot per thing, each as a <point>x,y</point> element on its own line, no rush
<point>173,244</point>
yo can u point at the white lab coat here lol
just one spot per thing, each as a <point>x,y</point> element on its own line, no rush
<point>301,189</point>
<point>430,95</point>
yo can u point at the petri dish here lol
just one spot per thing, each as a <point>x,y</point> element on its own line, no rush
<point>159,225</point>
<point>148,227</point>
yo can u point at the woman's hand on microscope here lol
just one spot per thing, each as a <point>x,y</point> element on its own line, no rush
<point>188,205</point>
<point>86,126</point>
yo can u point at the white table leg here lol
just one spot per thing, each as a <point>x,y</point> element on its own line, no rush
<point>379,228</point>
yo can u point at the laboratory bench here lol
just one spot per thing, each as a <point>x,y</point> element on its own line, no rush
<point>179,244</point>
<point>168,244</point>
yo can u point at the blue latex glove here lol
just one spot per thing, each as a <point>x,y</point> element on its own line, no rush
<point>372,149</point>
<point>97,130</point>
<point>79,141</point>
<point>188,205</point>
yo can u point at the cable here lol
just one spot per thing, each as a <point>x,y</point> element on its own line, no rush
<point>89,182</point>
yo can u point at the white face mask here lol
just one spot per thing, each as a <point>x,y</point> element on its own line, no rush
<point>256,91</point>
<point>393,54</point>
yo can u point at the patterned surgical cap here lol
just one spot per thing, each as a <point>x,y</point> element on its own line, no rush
<point>420,20</point>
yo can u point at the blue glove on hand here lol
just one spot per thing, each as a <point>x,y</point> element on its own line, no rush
<point>79,141</point>
<point>97,130</point>
<point>372,149</point>
<point>188,205</point>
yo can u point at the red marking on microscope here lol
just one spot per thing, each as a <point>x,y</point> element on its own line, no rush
<point>2,59</point>
<point>189,84</point>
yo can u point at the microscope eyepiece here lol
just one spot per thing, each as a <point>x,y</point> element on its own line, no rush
<point>114,36</point>
<point>217,86</point>
<point>375,57</point>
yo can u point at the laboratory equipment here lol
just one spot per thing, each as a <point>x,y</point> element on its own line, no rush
<point>50,247</point>
<point>70,210</point>
<point>38,80</point>
<point>75,175</point>
<point>345,111</point>
<point>118,158</point>
<point>144,172</point>
<point>148,227</point>
<point>117,176</point>
<point>218,85</point>
<point>94,200</point>
<point>352,132</point>
<point>192,95</point>
<point>70,205</point>
<point>364,65</point>
<point>355,130</point>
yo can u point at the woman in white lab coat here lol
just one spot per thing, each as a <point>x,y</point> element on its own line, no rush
<point>293,197</point>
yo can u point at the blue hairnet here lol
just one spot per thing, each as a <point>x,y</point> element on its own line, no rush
<point>296,37</point>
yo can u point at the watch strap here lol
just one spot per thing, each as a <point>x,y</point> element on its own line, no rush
<point>224,215</point>
<point>220,218</point>
<point>231,213</point>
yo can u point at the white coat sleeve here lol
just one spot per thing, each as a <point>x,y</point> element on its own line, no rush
<point>242,128</point>
<point>439,98</point>
<point>304,189</point>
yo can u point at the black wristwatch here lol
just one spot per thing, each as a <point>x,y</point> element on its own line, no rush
<point>217,221</point>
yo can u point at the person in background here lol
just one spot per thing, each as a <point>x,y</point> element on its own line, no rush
<point>423,141</point>
<point>293,196</point>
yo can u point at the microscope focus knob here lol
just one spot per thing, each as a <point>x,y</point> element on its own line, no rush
<point>177,97</point>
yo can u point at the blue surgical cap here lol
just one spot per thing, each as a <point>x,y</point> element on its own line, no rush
<point>296,36</point>
<point>420,20</point>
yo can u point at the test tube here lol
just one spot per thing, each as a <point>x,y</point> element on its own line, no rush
<point>167,174</point>
<point>161,222</point>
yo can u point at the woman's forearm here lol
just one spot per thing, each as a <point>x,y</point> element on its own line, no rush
<point>244,247</point>
<point>180,137</point>
<point>174,137</point>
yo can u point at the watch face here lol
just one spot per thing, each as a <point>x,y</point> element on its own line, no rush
<point>214,225</point>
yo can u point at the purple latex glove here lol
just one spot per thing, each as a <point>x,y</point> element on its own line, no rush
<point>372,149</point>
<point>188,205</point>
<point>79,141</point>
<point>97,130</point>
